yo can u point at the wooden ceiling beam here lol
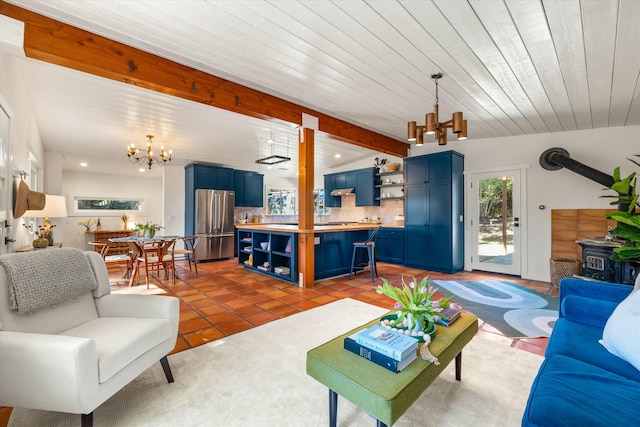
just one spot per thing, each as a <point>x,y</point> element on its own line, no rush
<point>55,42</point>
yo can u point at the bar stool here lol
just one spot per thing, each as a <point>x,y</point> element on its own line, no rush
<point>370,246</point>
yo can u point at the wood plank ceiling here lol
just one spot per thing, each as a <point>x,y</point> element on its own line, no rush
<point>513,67</point>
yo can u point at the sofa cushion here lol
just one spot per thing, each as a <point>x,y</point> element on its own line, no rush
<point>119,341</point>
<point>581,342</point>
<point>621,334</point>
<point>568,392</point>
<point>590,311</point>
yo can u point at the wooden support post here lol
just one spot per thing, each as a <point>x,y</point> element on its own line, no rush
<point>306,264</point>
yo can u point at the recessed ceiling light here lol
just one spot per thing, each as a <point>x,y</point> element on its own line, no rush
<point>83,164</point>
<point>141,169</point>
<point>337,156</point>
<point>268,166</point>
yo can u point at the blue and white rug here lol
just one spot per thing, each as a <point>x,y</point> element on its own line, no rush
<point>514,310</point>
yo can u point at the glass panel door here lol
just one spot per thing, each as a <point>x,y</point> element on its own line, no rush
<point>496,222</point>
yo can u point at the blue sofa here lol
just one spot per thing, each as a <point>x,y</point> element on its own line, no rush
<point>580,383</point>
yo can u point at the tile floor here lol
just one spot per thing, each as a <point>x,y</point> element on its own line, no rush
<point>224,298</point>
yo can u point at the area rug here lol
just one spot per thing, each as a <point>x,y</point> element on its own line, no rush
<point>137,289</point>
<point>514,310</point>
<point>258,378</point>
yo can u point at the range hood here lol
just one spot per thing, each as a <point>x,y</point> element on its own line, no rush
<point>342,192</point>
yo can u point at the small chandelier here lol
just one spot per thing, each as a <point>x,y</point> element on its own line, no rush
<point>134,155</point>
<point>433,126</point>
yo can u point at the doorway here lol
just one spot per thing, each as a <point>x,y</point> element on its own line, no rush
<point>496,222</point>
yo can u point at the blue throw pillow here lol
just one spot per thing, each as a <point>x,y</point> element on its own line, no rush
<point>621,334</point>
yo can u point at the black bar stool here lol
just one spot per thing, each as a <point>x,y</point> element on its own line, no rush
<point>370,246</point>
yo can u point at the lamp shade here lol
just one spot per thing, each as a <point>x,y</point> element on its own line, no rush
<point>54,207</point>
<point>411,131</point>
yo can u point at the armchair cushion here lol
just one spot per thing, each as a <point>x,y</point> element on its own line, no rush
<point>119,341</point>
<point>589,311</point>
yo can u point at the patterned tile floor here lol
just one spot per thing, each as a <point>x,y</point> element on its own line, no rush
<point>224,298</point>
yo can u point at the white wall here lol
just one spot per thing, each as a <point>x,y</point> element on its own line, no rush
<point>24,136</point>
<point>601,149</point>
<point>88,184</point>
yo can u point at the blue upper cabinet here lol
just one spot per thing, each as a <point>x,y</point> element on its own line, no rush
<point>361,180</point>
<point>330,185</point>
<point>208,177</point>
<point>433,209</point>
<point>249,188</point>
<point>365,187</point>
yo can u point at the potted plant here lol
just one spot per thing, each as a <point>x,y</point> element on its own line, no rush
<point>148,229</point>
<point>628,228</point>
<point>379,162</point>
<point>416,309</point>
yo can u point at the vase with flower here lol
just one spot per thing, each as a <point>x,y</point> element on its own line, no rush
<point>416,310</point>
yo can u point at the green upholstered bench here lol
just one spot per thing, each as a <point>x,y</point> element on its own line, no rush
<point>381,393</point>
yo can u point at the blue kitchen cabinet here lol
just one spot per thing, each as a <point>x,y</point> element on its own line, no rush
<point>367,194</point>
<point>249,188</point>
<point>361,180</point>
<point>208,177</point>
<point>434,208</point>
<point>330,185</point>
<point>390,245</point>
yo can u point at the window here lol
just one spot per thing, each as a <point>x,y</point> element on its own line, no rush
<point>108,206</point>
<point>281,201</point>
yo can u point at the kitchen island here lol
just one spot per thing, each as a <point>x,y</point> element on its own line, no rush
<point>272,249</point>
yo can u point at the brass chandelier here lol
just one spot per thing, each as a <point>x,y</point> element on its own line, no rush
<point>134,155</point>
<point>433,126</point>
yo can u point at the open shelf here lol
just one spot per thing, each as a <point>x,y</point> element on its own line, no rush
<point>279,254</point>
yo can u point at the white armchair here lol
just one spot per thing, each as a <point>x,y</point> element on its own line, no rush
<point>73,354</point>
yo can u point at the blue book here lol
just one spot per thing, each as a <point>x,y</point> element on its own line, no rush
<point>390,343</point>
<point>448,316</point>
<point>377,358</point>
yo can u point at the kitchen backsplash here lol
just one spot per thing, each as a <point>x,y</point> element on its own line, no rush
<point>387,211</point>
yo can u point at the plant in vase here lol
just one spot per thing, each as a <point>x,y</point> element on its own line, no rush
<point>148,229</point>
<point>87,224</point>
<point>628,227</point>
<point>378,163</point>
<point>416,309</point>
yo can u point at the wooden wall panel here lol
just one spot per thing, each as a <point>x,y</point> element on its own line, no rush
<point>569,225</point>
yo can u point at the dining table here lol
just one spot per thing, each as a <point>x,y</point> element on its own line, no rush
<point>136,249</point>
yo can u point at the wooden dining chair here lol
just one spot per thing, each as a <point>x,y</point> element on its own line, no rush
<point>106,250</point>
<point>156,256</point>
<point>189,251</point>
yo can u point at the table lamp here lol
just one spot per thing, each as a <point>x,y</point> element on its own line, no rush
<point>54,207</point>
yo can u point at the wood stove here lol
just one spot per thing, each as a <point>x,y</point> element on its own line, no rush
<point>596,262</point>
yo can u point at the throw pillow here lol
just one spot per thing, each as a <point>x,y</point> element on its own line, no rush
<point>622,331</point>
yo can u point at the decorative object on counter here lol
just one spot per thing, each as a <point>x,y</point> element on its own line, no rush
<point>379,162</point>
<point>125,220</point>
<point>86,224</point>
<point>416,310</point>
<point>134,156</point>
<point>98,225</point>
<point>434,127</point>
<point>148,229</point>
<point>55,207</point>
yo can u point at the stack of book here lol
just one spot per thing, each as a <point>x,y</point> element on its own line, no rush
<point>384,347</point>
<point>448,316</point>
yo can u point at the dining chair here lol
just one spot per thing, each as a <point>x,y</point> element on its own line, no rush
<point>117,259</point>
<point>189,251</point>
<point>158,255</point>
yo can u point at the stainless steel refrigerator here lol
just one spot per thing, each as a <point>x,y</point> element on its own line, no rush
<point>214,224</point>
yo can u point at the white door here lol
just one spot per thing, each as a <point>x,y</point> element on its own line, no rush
<point>6,214</point>
<point>496,222</point>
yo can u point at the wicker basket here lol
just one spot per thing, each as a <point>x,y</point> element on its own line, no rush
<point>561,268</point>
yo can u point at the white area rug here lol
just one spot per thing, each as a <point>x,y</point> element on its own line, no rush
<point>258,378</point>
